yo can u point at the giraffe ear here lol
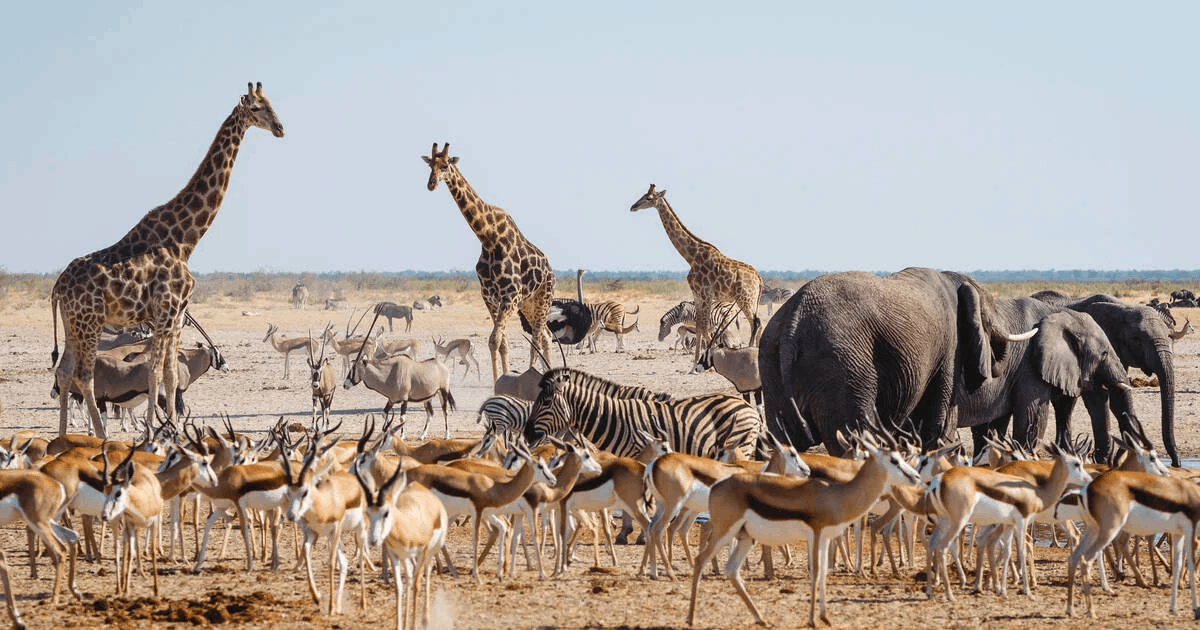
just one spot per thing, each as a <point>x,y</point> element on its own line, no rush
<point>427,159</point>
<point>454,160</point>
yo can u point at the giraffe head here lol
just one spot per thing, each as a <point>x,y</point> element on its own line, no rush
<point>255,108</point>
<point>439,165</point>
<point>648,200</point>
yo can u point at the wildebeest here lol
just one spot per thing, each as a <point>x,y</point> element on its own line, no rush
<point>392,310</point>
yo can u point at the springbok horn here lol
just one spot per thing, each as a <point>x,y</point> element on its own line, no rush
<point>803,425</point>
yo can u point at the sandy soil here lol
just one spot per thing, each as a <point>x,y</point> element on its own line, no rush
<point>254,394</point>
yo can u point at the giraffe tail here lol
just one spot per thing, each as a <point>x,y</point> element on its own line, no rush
<point>54,314</point>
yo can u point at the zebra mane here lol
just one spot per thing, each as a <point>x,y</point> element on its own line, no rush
<point>600,385</point>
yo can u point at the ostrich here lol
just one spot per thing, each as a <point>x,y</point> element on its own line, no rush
<point>569,320</point>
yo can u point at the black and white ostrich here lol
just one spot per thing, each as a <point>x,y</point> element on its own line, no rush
<point>569,320</point>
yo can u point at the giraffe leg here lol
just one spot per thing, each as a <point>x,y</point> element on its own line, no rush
<point>170,376</point>
<point>158,349</point>
<point>85,368</point>
<point>497,344</point>
<point>704,309</point>
<point>749,308</point>
<point>536,310</point>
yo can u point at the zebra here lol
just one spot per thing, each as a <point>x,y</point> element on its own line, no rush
<point>504,414</point>
<point>685,313</point>
<point>697,425</point>
<point>608,315</point>
<point>774,295</point>
<point>398,311</point>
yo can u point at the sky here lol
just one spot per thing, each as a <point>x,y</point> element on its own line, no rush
<point>791,135</point>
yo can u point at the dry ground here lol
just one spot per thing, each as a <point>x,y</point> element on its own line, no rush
<point>254,394</point>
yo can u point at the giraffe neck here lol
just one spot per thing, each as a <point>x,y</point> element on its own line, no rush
<point>689,245</point>
<point>480,215</point>
<point>183,220</point>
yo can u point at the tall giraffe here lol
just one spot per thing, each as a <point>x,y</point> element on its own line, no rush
<point>714,278</point>
<point>513,273</point>
<point>144,277</point>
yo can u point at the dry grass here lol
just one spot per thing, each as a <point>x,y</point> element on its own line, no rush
<point>28,290</point>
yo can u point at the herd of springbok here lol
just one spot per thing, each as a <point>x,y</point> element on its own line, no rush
<point>380,492</point>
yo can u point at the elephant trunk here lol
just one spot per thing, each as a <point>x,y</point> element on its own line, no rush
<point>1163,366</point>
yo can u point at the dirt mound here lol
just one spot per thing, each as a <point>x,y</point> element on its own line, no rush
<point>215,608</point>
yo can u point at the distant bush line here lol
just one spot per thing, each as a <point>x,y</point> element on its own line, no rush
<point>421,284</point>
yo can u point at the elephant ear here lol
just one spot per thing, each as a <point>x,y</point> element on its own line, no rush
<point>974,342</point>
<point>1056,354</point>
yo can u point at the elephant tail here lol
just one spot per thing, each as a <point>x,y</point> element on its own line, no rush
<point>779,349</point>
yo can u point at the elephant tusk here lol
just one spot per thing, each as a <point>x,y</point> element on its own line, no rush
<point>1125,386</point>
<point>1023,336</point>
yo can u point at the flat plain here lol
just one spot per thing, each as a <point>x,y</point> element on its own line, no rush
<point>254,395</point>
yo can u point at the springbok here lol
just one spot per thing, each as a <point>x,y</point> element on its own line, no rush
<point>776,510</point>
<point>287,346</point>
<point>462,349</point>
<point>478,495</point>
<point>410,523</point>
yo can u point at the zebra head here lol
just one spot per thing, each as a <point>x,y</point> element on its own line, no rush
<point>550,415</point>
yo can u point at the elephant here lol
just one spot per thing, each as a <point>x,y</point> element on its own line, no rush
<point>1141,337</point>
<point>852,346</point>
<point>1069,356</point>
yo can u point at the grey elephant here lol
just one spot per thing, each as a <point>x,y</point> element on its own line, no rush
<point>1142,339</point>
<point>1069,356</point>
<point>853,346</point>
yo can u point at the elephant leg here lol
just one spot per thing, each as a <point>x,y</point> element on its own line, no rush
<point>932,413</point>
<point>1029,422</point>
<point>1063,407</point>
<point>1096,402</point>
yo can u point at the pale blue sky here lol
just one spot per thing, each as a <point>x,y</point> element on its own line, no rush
<point>1015,135</point>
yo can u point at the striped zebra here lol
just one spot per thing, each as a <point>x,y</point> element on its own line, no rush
<point>774,295</point>
<point>503,414</point>
<point>697,425</point>
<point>685,313</point>
<point>608,315</point>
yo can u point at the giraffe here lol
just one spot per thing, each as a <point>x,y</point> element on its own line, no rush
<point>714,278</point>
<point>144,277</point>
<point>513,273</point>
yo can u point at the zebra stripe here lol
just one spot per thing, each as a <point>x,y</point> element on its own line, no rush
<point>685,313</point>
<point>772,296</point>
<point>502,414</point>
<point>698,425</point>
<point>601,385</point>
<point>607,315</point>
